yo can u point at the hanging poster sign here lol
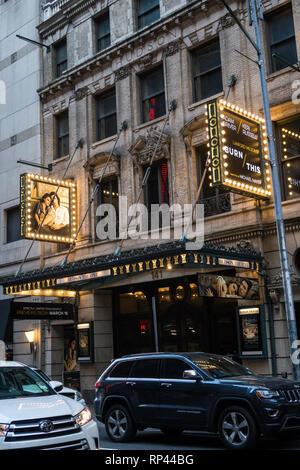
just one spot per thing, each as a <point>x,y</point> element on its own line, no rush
<point>213,285</point>
<point>42,311</point>
<point>238,150</point>
<point>85,342</point>
<point>48,209</point>
<point>250,331</point>
<point>290,142</point>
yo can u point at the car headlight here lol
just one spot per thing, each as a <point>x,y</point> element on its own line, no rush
<point>83,417</point>
<point>3,429</point>
<point>266,393</point>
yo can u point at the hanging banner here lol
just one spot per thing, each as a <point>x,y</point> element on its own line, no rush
<point>238,150</point>
<point>214,285</point>
<point>48,209</point>
<point>290,142</point>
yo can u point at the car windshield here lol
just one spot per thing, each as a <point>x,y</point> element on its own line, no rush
<point>43,375</point>
<point>219,367</point>
<point>16,382</point>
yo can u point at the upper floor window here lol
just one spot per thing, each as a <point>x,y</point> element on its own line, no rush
<point>153,94</point>
<point>106,115</point>
<point>289,137</point>
<point>206,70</point>
<point>157,187</point>
<point>62,134</point>
<point>215,199</point>
<point>102,32</point>
<point>60,58</point>
<point>108,194</point>
<point>147,12</point>
<point>281,39</point>
<point>13,224</point>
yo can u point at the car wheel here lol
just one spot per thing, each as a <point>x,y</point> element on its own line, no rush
<point>237,428</point>
<point>119,424</point>
<point>171,432</point>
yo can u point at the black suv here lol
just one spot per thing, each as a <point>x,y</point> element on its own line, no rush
<point>194,391</point>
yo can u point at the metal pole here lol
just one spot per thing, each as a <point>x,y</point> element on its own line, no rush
<point>288,293</point>
<point>155,324</point>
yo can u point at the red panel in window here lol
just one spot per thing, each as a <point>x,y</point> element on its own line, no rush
<point>164,182</point>
<point>152,105</point>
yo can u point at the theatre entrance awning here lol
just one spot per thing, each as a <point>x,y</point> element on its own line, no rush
<point>98,272</point>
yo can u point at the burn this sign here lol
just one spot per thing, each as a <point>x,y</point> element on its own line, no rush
<point>238,150</point>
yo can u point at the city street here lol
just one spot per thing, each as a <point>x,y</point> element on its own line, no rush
<point>152,439</point>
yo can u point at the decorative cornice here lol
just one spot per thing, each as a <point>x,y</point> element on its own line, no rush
<point>144,146</point>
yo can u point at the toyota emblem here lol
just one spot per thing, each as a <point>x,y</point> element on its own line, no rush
<point>46,425</point>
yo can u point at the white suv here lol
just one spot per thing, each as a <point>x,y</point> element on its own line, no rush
<point>34,416</point>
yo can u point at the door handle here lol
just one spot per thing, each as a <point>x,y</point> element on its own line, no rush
<point>131,383</point>
<point>166,384</point>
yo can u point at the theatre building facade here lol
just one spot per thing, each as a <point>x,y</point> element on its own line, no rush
<point>146,85</point>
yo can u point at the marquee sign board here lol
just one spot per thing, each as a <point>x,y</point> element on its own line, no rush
<point>48,209</point>
<point>238,150</point>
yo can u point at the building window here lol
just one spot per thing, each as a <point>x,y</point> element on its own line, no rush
<point>60,58</point>
<point>147,12</point>
<point>215,199</point>
<point>106,115</point>
<point>153,94</point>
<point>62,134</point>
<point>289,137</point>
<point>157,188</point>
<point>102,32</point>
<point>206,70</point>
<point>13,225</point>
<point>109,194</point>
<point>281,38</point>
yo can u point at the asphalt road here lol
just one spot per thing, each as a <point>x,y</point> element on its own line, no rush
<point>152,439</point>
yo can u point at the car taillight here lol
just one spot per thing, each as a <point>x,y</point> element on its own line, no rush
<point>97,385</point>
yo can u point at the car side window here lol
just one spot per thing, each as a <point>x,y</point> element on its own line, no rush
<point>121,370</point>
<point>145,369</point>
<point>174,368</point>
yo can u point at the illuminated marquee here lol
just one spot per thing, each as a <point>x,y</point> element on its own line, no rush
<point>48,209</point>
<point>238,150</point>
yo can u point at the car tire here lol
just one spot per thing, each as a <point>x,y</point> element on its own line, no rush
<point>237,428</point>
<point>171,432</point>
<point>119,424</point>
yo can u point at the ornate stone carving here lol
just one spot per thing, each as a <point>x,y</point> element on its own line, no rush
<point>122,73</point>
<point>276,281</point>
<point>96,164</point>
<point>144,147</point>
<point>225,22</point>
<point>172,48</point>
<point>80,93</point>
<point>145,61</point>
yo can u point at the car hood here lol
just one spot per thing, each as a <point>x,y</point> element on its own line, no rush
<point>16,409</point>
<point>273,383</point>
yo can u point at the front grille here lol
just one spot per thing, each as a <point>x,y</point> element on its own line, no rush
<point>30,429</point>
<point>292,396</point>
<point>72,445</point>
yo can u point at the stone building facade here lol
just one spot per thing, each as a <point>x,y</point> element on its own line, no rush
<point>106,57</point>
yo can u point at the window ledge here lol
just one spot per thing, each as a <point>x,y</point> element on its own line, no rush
<point>193,106</point>
<point>284,71</point>
<point>103,141</point>
<point>149,123</point>
<point>61,159</point>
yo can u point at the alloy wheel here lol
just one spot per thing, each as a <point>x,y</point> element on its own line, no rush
<point>117,423</point>
<point>235,428</point>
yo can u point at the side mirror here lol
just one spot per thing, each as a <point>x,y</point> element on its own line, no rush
<point>190,374</point>
<point>284,375</point>
<point>57,386</point>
